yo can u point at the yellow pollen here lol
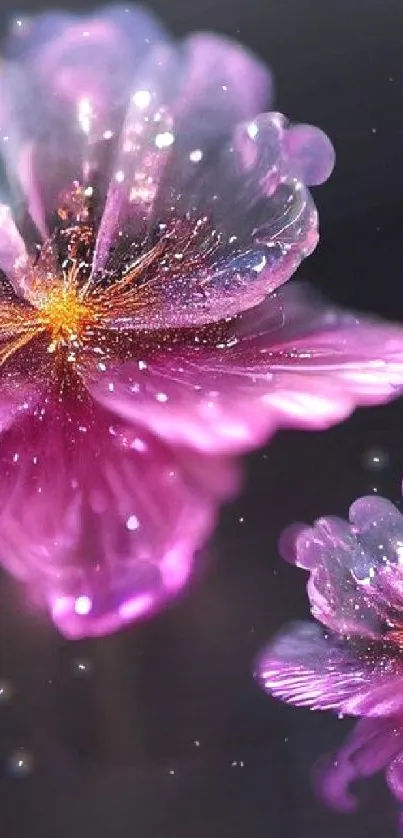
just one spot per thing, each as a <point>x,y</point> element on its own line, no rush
<point>64,315</point>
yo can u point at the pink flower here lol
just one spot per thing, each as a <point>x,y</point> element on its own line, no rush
<point>151,209</point>
<point>353,665</point>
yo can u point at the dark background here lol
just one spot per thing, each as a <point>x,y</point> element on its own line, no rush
<point>160,730</point>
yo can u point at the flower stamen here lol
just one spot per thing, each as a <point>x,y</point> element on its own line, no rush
<point>65,316</point>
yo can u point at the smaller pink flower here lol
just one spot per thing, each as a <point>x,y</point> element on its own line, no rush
<point>352,663</point>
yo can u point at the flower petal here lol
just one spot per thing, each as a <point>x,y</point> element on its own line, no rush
<point>304,667</point>
<point>63,98</point>
<point>355,585</point>
<point>289,364</point>
<point>372,745</point>
<point>394,775</point>
<point>233,223</point>
<point>13,254</point>
<point>311,152</point>
<point>100,521</point>
<point>184,101</point>
<point>24,366</point>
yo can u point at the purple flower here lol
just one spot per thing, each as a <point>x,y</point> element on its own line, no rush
<point>151,216</point>
<point>352,663</point>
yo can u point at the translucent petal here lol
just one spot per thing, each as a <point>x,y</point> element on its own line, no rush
<point>291,363</point>
<point>394,774</point>
<point>311,152</point>
<point>13,255</point>
<point>305,667</point>
<point>63,99</point>
<point>232,224</point>
<point>371,747</point>
<point>356,583</point>
<point>101,522</point>
<point>182,103</point>
<point>379,529</point>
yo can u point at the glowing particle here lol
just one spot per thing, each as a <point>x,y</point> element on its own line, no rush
<point>252,130</point>
<point>82,667</point>
<point>84,114</point>
<point>196,155</point>
<point>6,691</point>
<point>139,445</point>
<point>20,763</point>
<point>83,605</point>
<point>164,140</point>
<point>142,98</point>
<point>132,523</point>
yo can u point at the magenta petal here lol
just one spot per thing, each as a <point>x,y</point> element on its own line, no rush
<point>394,775</point>
<point>372,746</point>
<point>304,667</point>
<point>355,584</point>
<point>308,668</point>
<point>13,254</point>
<point>19,397</point>
<point>101,522</point>
<point>289,364</point>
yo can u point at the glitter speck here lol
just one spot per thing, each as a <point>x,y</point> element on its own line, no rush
<point>6,691</point>
<point>375,459</point>
<point>252,130</point>
<point>132,523</point>
<point>82,667</point>
<point>164,140</point>
<point>139,445</point>
<point>84,114</point>
<point>196,155</point>
<point>20,763</point>
<point>142,98</point>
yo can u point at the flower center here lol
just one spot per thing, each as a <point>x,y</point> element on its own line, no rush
<point>65,315</point>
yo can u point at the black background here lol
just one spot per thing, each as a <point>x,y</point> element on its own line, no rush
<point>165,733</point>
